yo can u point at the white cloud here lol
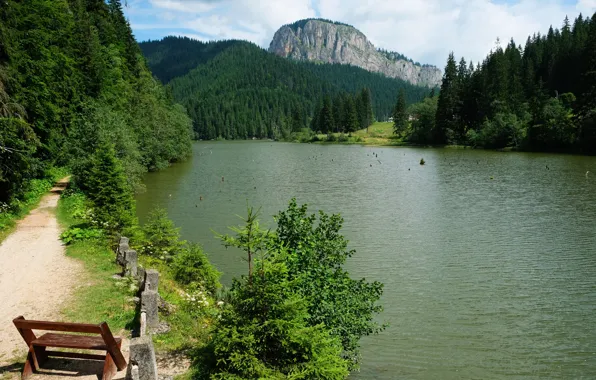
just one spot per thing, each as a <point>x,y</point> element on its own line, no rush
<point>425,30</point>
<point>184,6</point>
<point>586,6</point>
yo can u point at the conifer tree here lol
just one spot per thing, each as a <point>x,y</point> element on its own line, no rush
<point>326,120</point>
<point>108,189</point>
<point>296,120</point>
<point>365,111</point>
<point>447,117</point>
<point>350,114</point>
<point>400,115</point>
<point>315,124</point>
<point>338,103</point>
<point>588,110</point>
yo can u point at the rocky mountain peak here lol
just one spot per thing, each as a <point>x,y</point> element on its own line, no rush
<point>333,42</point>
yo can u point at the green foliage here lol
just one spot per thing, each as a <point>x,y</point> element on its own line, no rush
<point>102,299</point>
<point>505,129</point>
<point>105,184</point>
<point>350,116</point>
<point>342,138</point>
<point>249,237</point>
<point>553,126</point>
<point>297,314</point>
<point>326,120</point>
<point>345,113</point>
<point>522,97</point>
<point>317,252</point>
<point>29,196</point>
<point>365,109</point>
<point>174,57</point>
<point>302,23</point>
<point>18,143</point>
<point>400,115</point>
<point>423,121</point>
<point>236,90</point>
<point>264,334</point>
<point>75,234</point>
<point>72,79</point>
<point>191,266</point>
<point>448,103</point>
<point>161,237</point>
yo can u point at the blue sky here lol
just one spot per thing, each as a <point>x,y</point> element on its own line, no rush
<point>424,30</point>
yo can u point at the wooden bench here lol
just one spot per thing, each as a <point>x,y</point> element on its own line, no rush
<point>113,360</point>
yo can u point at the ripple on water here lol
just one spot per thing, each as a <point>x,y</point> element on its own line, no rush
<point>484,279</point>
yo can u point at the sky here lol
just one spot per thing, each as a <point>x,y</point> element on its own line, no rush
<point>424,30</point>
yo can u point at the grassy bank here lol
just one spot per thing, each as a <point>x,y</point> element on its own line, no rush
<point>99,298</point>
<point>103,298</point>
<point>17,209</point>
<point>380,133</point>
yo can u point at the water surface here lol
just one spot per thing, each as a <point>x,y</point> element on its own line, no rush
<point>488,259</point>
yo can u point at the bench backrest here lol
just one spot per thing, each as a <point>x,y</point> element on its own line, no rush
<point>25,328</point>
<point>22,323</point>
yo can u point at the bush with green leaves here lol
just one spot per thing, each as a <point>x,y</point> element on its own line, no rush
<point>317,253</point>
<point>161,237</point>
<point>265,334</point>
<point>297,314</point>
<point>504,130</point>
<point>191,266</point>
<point>75,234</point>
<point>102,179</point>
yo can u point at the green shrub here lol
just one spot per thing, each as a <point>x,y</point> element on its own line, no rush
<point>264,334</point>
<point>191,266</point>
<point>75,234</point>
<point>342,138</point>
<point>161,237</point>
<point>331,137</point>
<point>103,181</point>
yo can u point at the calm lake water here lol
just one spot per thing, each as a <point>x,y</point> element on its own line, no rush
<point>484,278</point>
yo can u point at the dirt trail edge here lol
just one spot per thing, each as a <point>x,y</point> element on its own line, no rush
<point>36,277</point>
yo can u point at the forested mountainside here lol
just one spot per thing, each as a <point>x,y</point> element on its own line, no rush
<point>324,41</point>
<point>73,81</point>
<point>245,92</point>
<point>538,97</point>
<point>175,56</point>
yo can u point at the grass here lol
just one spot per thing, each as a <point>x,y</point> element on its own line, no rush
<point>187,331</point>
<point>380,133</point>
<point>100,297</point>
<point>17,209</point>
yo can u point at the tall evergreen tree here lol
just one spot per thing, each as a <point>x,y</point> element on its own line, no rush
<point>297,122</point>
<point>326,120</point>
<point>350,114</point>
<point>588,111</point>
<point>338,104</point>
<point>448,105</point>
<point>365,111</point>
<point>400,115</point>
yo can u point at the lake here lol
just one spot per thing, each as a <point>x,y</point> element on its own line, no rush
<point>488,258</point>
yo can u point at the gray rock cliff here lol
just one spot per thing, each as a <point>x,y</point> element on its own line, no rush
<point>327,42</point>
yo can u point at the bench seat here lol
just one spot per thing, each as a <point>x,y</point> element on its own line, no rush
<point>103,340</point>
<point>73,341</point>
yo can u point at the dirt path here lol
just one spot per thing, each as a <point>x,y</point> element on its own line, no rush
<point>36,277</point>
